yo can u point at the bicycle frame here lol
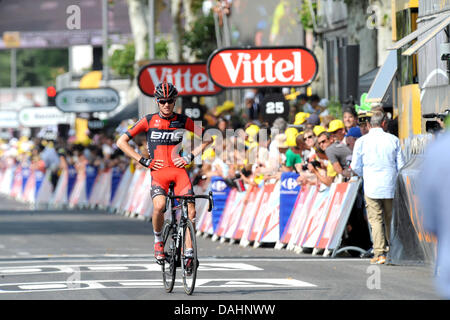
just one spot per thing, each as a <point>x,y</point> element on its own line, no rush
<point>177,233</point>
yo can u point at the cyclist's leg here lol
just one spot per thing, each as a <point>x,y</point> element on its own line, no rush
<point>158,194</point>
<point>183,186</point>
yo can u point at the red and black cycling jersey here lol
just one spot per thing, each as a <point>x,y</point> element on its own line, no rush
<point>164,135</point>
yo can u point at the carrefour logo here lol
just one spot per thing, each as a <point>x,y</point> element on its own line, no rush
<point>289,184</point>
<point>218,186</point>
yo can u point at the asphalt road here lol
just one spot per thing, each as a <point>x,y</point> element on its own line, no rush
<point>86,255</point>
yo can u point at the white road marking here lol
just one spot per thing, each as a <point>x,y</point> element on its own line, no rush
<point>47,269</point>
<point>17,270</point>
<point>43,286</point>
<point>107,268</point>
<point>146,283</point>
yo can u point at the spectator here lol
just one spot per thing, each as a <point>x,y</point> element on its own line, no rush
<point>308,142</point>
<point>281,144</point>
<point>350,118</point>
<point>303,104</point>
<point>313,120</point>
<point>222,125</point>
<point>323,107</point>
<point>300,118</point>
<point>326,121</point>
<point>377,157</point>
<point>337,129</point>
<point>352,135</point>
<point>315,100</point>
<point>338,154</point>
<point>293,154</point>
<point>250,105</point>
<point>324,140</point>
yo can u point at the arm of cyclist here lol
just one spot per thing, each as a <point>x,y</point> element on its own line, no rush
<point>122,144</point>
<point>181,162</point>
<point>198,131</point>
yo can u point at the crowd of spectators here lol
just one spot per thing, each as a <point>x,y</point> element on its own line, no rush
<point>311,141</point>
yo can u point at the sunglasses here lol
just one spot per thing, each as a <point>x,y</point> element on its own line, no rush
<point>308,137</point>
<point>169,101</point>
<point>320,142</point>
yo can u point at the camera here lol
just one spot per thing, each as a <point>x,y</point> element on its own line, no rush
<point>434,126</point>
<point>445,51</point>
<point>238,182</point>
<point>315,164</point>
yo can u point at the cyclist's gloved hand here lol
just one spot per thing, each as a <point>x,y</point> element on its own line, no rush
<point>151,163</point>
<point>182,162</point>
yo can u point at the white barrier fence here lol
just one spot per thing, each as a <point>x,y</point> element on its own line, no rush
<point>317,220</point>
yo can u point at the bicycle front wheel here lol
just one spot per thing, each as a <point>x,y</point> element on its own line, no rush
<point>189,263</point>
<point>168,267</point>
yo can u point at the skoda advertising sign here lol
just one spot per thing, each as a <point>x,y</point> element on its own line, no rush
<point>262,67</point>
<point>87,100</point>
<point>9,119</point>
<point>190,79</point>
<point>43,116</point>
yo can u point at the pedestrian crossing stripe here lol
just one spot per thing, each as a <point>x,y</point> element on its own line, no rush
<point>150,283</point>
<point>46,269</point>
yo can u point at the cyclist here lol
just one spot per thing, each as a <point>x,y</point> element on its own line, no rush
<point>164,132</point>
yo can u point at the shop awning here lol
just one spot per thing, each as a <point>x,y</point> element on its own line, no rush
<point>422,30</point>
<point>128,112</point>
<point>430,35</point>
<point>383,80</point>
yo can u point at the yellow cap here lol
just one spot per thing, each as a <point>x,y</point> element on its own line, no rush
<point>209,154</point>
<point>300,118</point>
<point>252,131</point>
<point>291,135</point>
<point>335,125</point>
<point>227,105</point>
<point>318,130</point>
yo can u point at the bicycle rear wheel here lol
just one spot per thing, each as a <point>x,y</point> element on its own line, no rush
<point>168,266</point>
<point>189,265</point>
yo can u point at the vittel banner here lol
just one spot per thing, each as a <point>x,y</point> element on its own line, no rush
<point>262,67</point>
<point>190,79</point>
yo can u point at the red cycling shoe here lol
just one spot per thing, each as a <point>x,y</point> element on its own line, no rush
<point>159,251</point>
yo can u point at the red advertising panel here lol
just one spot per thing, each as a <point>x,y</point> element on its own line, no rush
<point>262,67</point>
<point>190,79</point>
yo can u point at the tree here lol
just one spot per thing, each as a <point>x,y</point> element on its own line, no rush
<point>201,39</point>
<point>35,67</point>
<point>122,61</point>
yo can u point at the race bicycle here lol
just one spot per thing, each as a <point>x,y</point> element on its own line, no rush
<point>175,236</point>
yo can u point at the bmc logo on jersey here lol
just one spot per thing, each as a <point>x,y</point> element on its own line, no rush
<point>190,79</point>
<point>262,67</point>
<point>167,135</point>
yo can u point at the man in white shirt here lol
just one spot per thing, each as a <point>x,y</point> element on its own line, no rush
<point>377,157</point>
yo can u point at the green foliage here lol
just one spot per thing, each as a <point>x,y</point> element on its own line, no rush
<point>35,67</point>
<point>304,14</point>
<point>122,60</point>
<point>335,108</point>
<point>202,39</point>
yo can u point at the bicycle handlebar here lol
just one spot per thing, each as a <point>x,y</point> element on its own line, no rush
<point>200,196</point>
